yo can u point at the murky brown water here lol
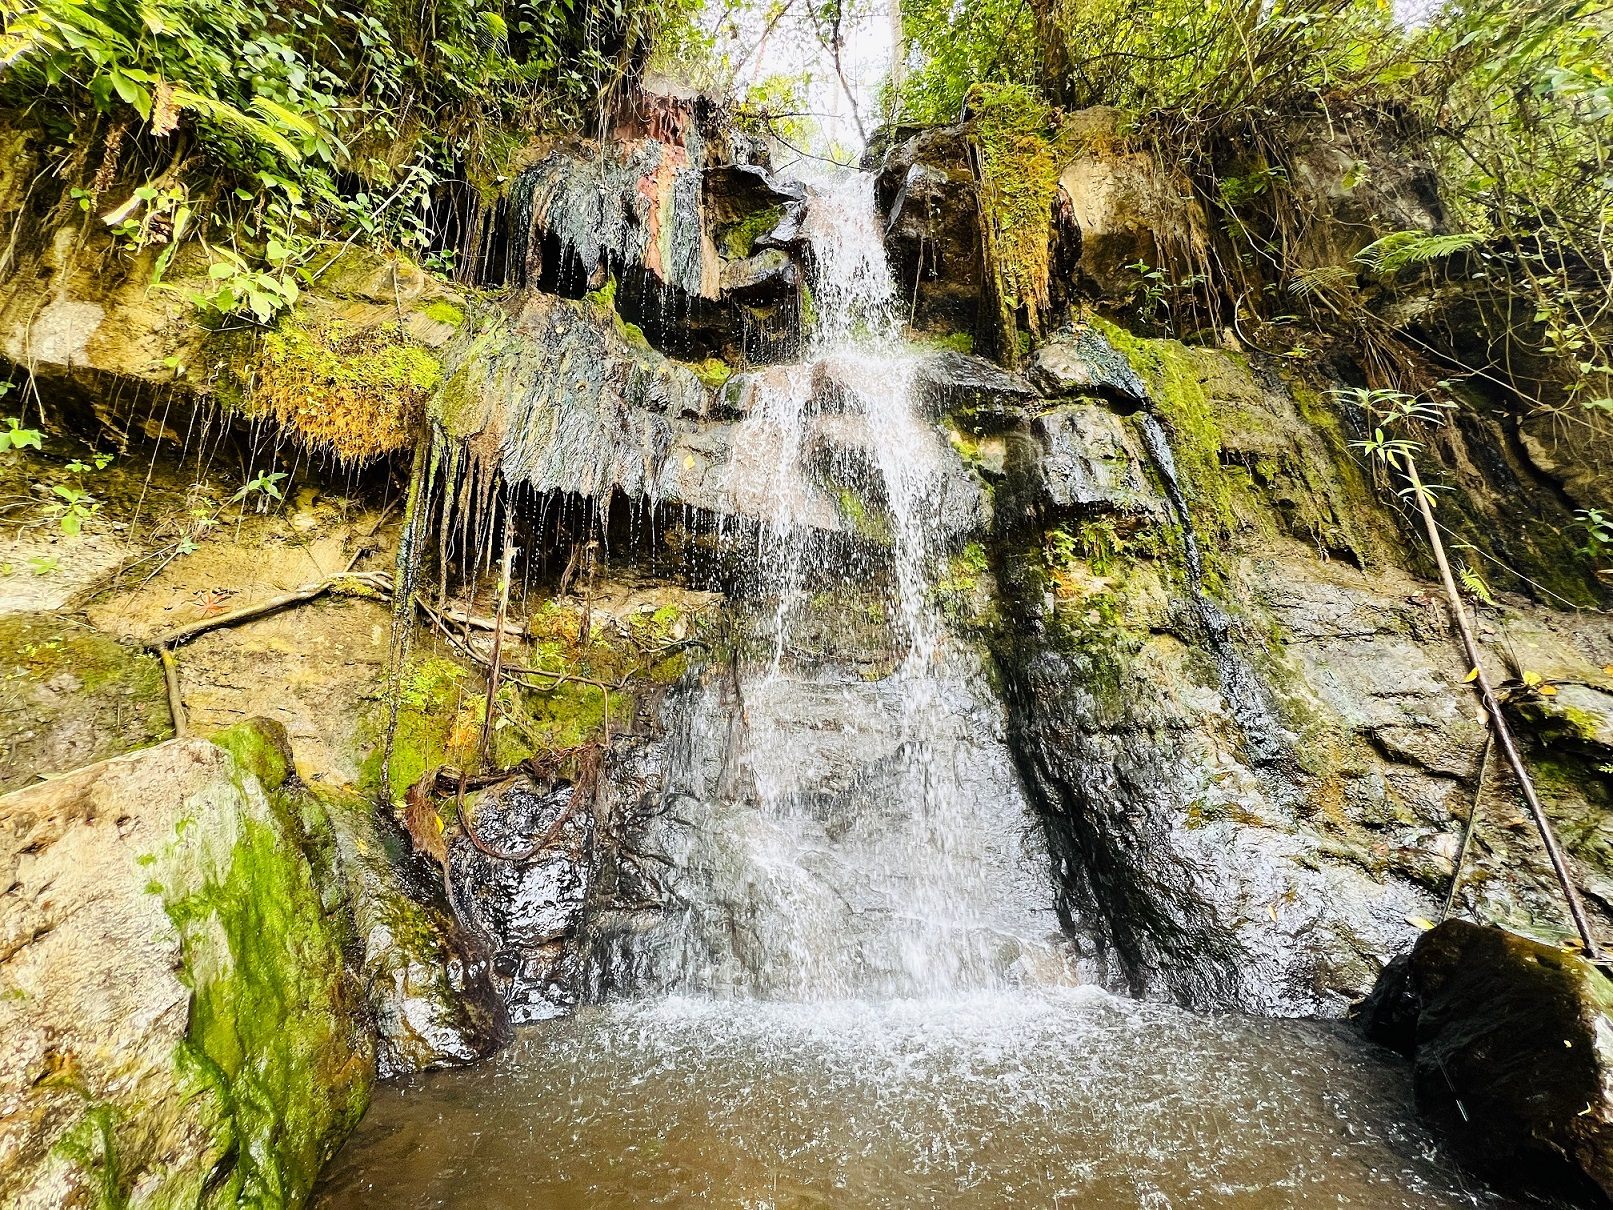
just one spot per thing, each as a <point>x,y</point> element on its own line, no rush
<point>1059,1098</point>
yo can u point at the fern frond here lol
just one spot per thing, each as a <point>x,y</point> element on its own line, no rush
<point>1400,249</point>
<point>1309,283</point>
<point>242,123</point>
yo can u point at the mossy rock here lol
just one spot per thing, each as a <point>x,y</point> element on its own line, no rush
<point>182,1027</point>
<point>71,695</point>
<point>356,391</point>
<point>261,746</point>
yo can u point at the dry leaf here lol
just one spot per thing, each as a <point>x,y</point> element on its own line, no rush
<point>1421,922</point>
<point>422,821</point>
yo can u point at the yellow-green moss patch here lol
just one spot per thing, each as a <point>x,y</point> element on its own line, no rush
<point>357,392</point>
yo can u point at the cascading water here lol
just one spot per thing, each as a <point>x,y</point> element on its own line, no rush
<point>851,994</point>
<point>887,856</point>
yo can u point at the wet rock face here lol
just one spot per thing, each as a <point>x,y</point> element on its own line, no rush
<point>767,789</point>
<point>428,982</point>
<point>1078,361</point>
<point>961,385</point>
<point>927,188</point>
<point>165,919</point>
<point>1512,1042</point>
<point>1087,463</point>
<point>1249,786</point>
<point>526,900</point>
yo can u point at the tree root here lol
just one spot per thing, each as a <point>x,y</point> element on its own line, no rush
<point>358,583</point>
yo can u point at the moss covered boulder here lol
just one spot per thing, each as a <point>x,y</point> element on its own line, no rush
<point>177,1024</point>
<point>70,695</point>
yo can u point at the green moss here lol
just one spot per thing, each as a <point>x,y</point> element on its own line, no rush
<point>738,240</point>
<point>1021,158</point>
<point>439,720</point>
<point>444,312</point>
<point>258,750</point>
<point>713,372</point>
<point>605,299</point>
<point>357,392</point>
<point>274,1017</point>
<point>808,307</point>
<point>91,1146</point>
<point>865,522</point>
<point>56,676</point>
<point>951,342</point>
<point>605,296</point>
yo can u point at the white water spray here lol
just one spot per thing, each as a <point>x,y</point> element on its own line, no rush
<point>839,836</point>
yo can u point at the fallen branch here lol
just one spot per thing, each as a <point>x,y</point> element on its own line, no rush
<point>1470,828</point>
<point>1498,722</point>
<point>170,677</point>
<point>441,619</point>
<point>374,581</point>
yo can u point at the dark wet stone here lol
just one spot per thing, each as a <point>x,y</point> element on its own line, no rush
<point>974,389</point>
<point>927,189</point>
<point>1388,1016</point>
<point>1513,1052</point>
<point>769,272</point>
<point>1081,362</point>
<point>526,908</point>
<point>1086,463</point>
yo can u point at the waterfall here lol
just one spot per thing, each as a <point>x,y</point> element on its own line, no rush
<point>830,835</point>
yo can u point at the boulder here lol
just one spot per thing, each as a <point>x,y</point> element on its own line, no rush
<point>177,1024</point>
<point>527,895</point>
<point>427,980</point>
<point>1512,1042</point>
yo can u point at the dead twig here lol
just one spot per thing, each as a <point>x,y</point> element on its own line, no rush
<point>378,582</point>
<point>583,787</point>
<point>176,705</point>
<point>1469,828</point>
<point>1498,722</point>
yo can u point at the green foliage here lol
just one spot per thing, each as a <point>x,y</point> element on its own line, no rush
<point>261,489</point>
<point>957,46</point>
<point>1512,101</point>
<point>300,120</point>
<point>14,437</point>
<point>1597,527</point>
<point>1401,249</point>
<point>1020,162</point>
<point>1177,57</point>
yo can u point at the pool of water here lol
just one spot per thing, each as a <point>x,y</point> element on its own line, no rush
<point>1050,1098</point>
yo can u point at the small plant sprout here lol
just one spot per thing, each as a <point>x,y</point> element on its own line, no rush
<point>1597,527</point>
<point>14,437</point>
<point>1391,414</point>
<point>262,489</point>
